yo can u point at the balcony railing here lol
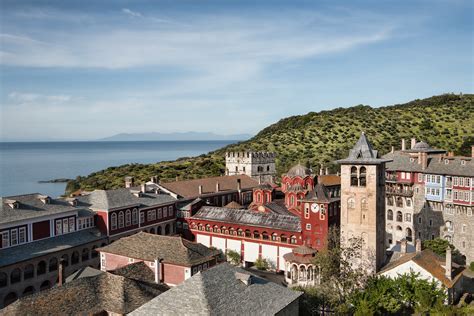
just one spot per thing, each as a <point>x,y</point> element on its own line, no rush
<point>399,192</point>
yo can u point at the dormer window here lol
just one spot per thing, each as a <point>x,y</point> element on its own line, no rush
<point>446,161</point>
<point>72,202</point>
<point>45,199</point>
<point>463,162</point>
<point>13,203</point>
<point>412,159</point>
<point>137,193</point>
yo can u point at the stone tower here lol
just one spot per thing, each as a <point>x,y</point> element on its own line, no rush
<point>258,165</point>
<point>363,203</point>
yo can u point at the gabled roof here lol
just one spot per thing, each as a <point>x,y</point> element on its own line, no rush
<point>251,218</point>
<point>169,249</point>
<point>278,207</point>
<point>329,180</point>
<point>320,194</point>
<point>429,261</point>
<point>363,152</point>
<point>234,205</point>
<point>111,199</point>
<point>190,188</point>
<point>222,290</point>
<point>31,206</point>
<point>87,296</point>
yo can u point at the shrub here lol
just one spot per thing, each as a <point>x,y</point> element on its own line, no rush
<point>261,264</point>
<point>233,257</point>
<point>471,266</point>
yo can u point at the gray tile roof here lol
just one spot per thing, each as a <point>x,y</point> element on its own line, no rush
<point>170,249</point>
<point>30,206</point>
<point>136,271</point>
<point>83,273</point>
<point>111,199</point>
<point>221,291</point>
<point>435,165</point>
<point>278,207</point>
<point>247,217</point>
<point>320,194</point>
<point>88,296</point>
<point>50,245</point>
<point>298,171</point>
<point>363,153</point>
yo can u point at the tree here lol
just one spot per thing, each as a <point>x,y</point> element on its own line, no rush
<point>439,245</point>
<point>261,264</point>
<point>233,257</point>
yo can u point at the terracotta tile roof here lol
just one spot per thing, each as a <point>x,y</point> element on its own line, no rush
<point>190,188</point>
<point>234,205</point>
<point>222,290</point>
<point>329,180</point>
<point>87,296</point>
<point>149,247</point>
<point>431,262</point>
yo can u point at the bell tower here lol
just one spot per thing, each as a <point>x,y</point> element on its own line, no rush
<point>363,203</point>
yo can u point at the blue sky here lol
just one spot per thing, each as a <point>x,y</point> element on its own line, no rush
<point>90,69</point>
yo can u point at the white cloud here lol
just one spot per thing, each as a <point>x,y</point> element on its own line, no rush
<point>22,98</point>
<point>132,13</point>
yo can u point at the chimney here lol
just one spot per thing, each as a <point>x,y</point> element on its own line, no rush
<point>321,171</point>
<point>143,188</point>
<point>61,273</point>
<point>451,154</point>
<point>403,144</point>
<point>157,271</point>
<point>424,160</point>
<point>403,246</point>
<point>217,187</point>
<point>200,190</point>
<point>327,171</point>
<point>155,179</point>
<point>129,181</point>
<point>418,245</point>
<point>413,142</point>
<point>245,278</point>
<point>239,185</point>
<point>393,149</point>
<point>260,179</point>
<point>177,178</point>
<point>448,263</point>
<point>472,151</point>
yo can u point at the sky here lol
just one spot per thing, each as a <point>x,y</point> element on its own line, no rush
<point>82,70</point>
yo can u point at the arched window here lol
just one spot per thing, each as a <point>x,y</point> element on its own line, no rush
<point>292,200</point>
<point>293,240</point>
<point>128,218</point>
<point>399,202</point>
<point>215,229</point>
<point>159,230</point>
<point>28,272</point>
<point>75,257</point>
<point>265,236</point>
<point>390,201</point>
<point>449,226</point>
<point>231,231</point>
<point>283,238</point>
<point>399,228</point>
<point>408,234</point>
<point>274,237</point>
<point>120,219</point>
<point>41,268</point>
<point>351,203</point>
<point>3,279</point>
<point>10,298</point>
<point>167,229</point>
<point>248,233</point>
<point>408,201</point>
<point>256,234</point>
<point>362,177</point>
<point>113,221</point>
<point>399,216</point>
<point>65,260</point>
<point>240,232</point>
<point>259,197</point>
<point>15,276</point>
<point>29,290</point>
<point>200,227</point>
<point>354,180</point>
<point>390,215</point>
<point>85,254</point>
<point>363,204</point>
<point>135,216</point>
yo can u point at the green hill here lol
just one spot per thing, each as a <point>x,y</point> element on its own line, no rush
<point>445,121</point>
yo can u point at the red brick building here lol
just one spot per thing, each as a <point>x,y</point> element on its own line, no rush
<point>172,259</point>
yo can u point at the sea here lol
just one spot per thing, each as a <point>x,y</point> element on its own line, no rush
<point>24,164</point>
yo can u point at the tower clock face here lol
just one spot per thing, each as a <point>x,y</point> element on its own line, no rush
<point>314,208</point>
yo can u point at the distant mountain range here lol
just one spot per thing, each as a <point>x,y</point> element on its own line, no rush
<point>174,136</point>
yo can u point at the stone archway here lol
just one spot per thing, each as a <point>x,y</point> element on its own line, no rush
<point>10,298</point>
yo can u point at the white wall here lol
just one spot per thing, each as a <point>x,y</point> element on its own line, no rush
<point>218,243</point>
<point>234,245</point>
<point>250,251</point>
<point>203,239</point>
<point>270,253</point>
<point>283,251</point>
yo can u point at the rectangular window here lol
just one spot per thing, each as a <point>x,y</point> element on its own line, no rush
<point>308,226</point>
<point>455,180</point>
<point>438,179</point>
<point>142,217</point>
<point>71,224</point>
<point>165,211</point>
<point>14,237</point>
<point>59,227</point>
<point>22,235</point>
<point>408,217</point>
<point>65,226</point>
<point>461,182</point>
<point>306,211</point>
<point>408,176</point>
<point>185,226</point>
<point>403,175</point>
<point>420,177</point>
<point>170,210</point>
<point>431,222</point>
<point>160,213</point>
<point>5,239</point>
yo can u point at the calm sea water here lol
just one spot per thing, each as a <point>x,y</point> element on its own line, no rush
<point>22,165</point>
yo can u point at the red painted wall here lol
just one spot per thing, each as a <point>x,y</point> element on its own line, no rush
<point>101,221</point>
<point>41,230</point>
<point>173,274</point>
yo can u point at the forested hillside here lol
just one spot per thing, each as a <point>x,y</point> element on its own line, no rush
<point>445,121</point>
